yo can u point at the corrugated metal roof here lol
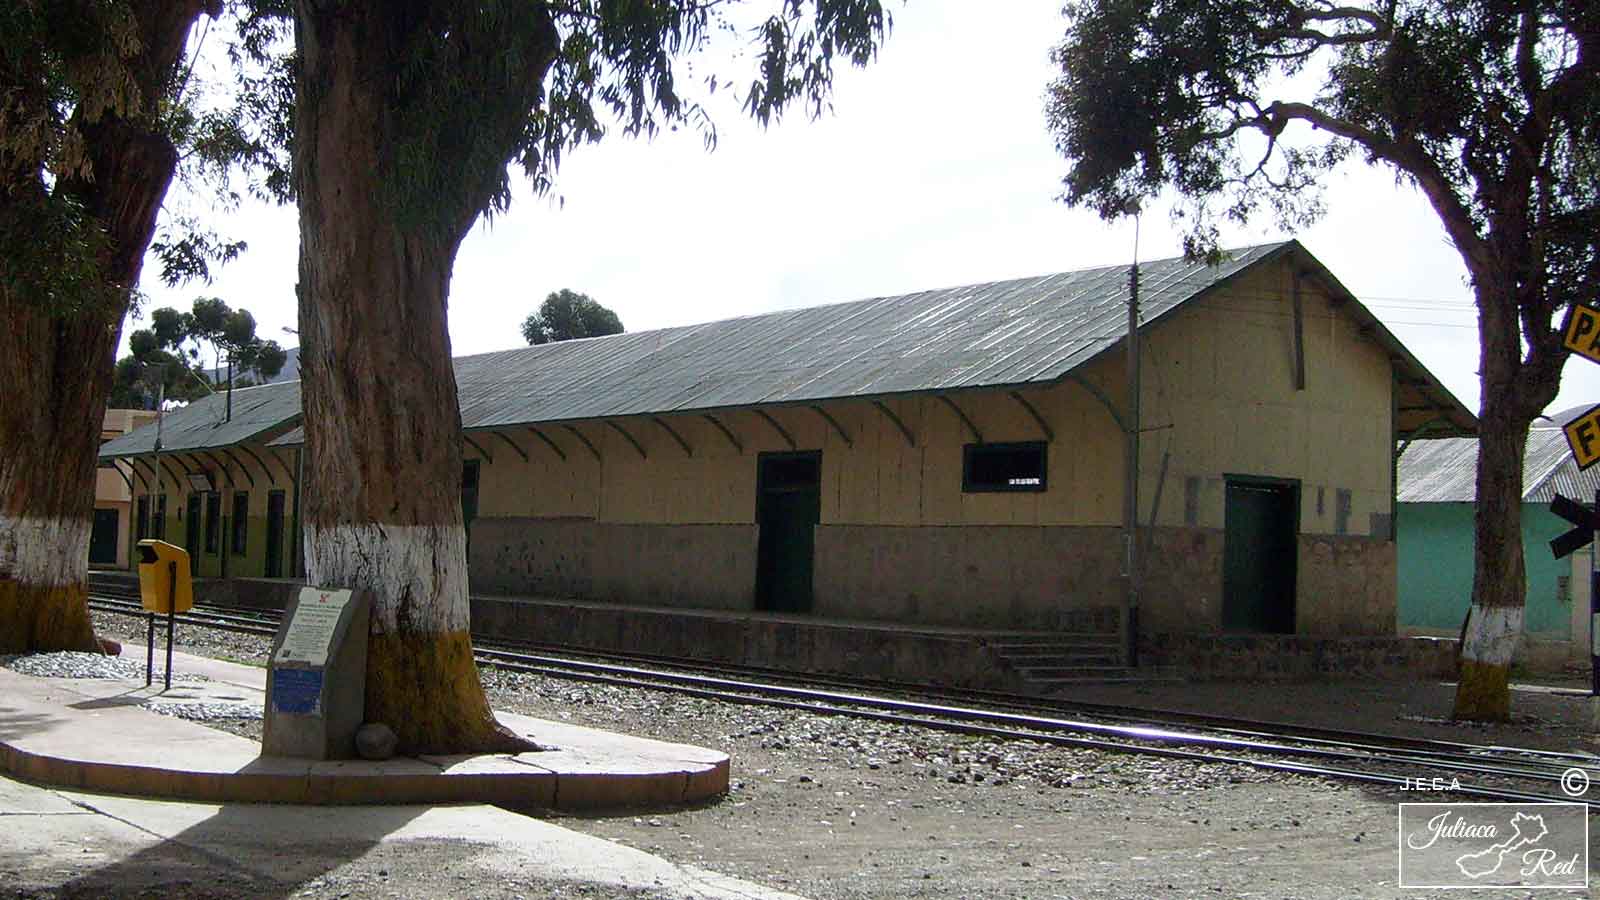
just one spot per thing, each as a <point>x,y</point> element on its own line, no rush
<point>998,334</point>
<point>986,335</point>
<point>1446,470</point>
<point>203,424</point>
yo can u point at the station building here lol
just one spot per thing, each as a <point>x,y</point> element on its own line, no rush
<point>949,458</point>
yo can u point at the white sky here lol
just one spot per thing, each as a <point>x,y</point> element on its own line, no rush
<point>935,169</point>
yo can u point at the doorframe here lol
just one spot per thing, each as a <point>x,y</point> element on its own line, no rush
<point>1296,491</point>
<point>762,489</point>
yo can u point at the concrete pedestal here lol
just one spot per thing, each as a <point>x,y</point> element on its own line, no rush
<point>317,676</point>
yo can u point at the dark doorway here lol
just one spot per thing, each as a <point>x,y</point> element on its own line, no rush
<point>274,534</point>
<point>469,499</point>
<point>1259,555</point>
<point>788,508</point>
<point>191,533</point>
<point>103,538</point>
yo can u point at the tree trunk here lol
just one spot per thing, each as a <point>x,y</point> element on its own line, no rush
<point>1494,623</point>
<point>53,406</point>
<point>382,422</point>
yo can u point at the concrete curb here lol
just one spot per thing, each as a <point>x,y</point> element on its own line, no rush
<point>92,735</point>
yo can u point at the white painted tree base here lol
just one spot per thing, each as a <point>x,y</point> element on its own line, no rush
<point>417,573</point>
<point>44,552</point>
<point>1493,634</point>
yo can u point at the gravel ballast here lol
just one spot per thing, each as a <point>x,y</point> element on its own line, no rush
<point>830,807</point>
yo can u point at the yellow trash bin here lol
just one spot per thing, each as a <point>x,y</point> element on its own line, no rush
<point>164,577</point>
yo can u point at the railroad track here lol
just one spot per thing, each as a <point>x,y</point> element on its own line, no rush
<point>1489,772</point>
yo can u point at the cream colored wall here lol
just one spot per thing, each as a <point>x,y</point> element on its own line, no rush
<point>876,479</point>
<point>1219,372</point>
<point>233,476</point>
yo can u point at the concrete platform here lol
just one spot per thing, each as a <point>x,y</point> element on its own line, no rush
<point>97,734</point>
<point>61,843</point>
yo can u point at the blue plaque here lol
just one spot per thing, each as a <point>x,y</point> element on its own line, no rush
<point>297,691</point>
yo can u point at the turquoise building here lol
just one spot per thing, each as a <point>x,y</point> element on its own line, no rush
<point>1434,530</point>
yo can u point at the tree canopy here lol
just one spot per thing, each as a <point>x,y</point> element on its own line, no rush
<point>567,314</point>
<point>1491,109</point>
<point>170,352</point>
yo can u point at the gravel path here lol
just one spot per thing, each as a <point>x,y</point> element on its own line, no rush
<point>840,809</point>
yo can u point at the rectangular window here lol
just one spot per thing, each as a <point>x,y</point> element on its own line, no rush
<point>213,521</point>
<point>141,519</point>
<point>241,521</point>
<point>158,528</point>
<point>989,468</point>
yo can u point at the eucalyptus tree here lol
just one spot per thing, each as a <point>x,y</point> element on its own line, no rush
<point>404,121</point>
<point>1490,109</point>
<point>92,115</point>
<point>565,315</point>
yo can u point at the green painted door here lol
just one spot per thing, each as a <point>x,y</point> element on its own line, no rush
<point>191,533</point>
<point>1259,550</point>
<point>788,509</point>
<point>274,568</point>
<point>103,538</point>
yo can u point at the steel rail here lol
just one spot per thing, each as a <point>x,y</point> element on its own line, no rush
<point>1478,762</point>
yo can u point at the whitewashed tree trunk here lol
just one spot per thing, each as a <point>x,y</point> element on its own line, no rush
<point>383,427</point>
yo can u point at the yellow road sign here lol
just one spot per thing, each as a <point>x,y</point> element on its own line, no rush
<point>1581,332</point>
<point>1583,436</point>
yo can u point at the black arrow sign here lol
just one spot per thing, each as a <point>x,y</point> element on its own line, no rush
<point>1584,520</point>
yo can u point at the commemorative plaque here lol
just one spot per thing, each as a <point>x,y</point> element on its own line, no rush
<point>317,676</point>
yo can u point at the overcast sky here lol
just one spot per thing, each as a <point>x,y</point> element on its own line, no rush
<point>935,169</point>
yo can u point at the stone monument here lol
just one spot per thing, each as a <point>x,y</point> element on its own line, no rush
<point>317,676</point>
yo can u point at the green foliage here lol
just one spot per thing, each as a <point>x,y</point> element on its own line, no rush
<point>137,380</point>
<point>229,334</point>
<point>1491,109</point>
<point>477,85</point>
<point>565,315</point>
<point>77,79</point>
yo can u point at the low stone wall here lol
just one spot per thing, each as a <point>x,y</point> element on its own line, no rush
<point>831,648</point>
<point>1346,585</point>
<point>971,576</point>
<point>681,566</point>
<point>1294,657</point>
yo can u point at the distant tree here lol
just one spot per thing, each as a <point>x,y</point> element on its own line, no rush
<point>149,373</point>
<point>1490,109</point>
<point>565,315</point>
<point>227,334</point>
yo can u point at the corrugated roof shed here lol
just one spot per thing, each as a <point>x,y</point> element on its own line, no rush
<point>999,334</point>
<point>1445,471</point>
<point>204,424</point>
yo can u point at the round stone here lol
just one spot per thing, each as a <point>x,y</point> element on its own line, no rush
<point>375,741</point>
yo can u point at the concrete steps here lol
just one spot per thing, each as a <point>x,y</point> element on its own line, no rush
<point>1047,662</point>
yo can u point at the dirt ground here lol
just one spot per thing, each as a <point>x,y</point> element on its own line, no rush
<point>837,809</point>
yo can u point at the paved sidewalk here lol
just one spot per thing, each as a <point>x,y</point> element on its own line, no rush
<point>61,843</point>
<point>97,734</point>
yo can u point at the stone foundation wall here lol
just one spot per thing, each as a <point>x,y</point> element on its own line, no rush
<point>971,576</point>
<point>843,648</point>
<point>1346,586</point>
<point>1294,657</point>
<point>684,566</point>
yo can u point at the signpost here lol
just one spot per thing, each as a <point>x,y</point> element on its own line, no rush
<point>1585,522</point>
<point>1580,334</point>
